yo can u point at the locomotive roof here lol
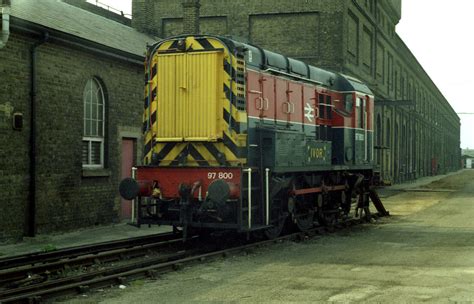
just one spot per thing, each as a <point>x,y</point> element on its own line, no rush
<point>265,60</point>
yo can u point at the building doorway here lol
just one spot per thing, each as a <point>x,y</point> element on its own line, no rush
<point>128,161</point>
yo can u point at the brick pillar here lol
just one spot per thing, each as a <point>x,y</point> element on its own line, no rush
<point>142,16</point>
<point>191,16</point>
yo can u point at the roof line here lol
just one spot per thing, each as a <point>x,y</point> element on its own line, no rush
<point>28,27</point>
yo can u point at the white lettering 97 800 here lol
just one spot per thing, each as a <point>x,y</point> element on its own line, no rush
<point>220,175</point>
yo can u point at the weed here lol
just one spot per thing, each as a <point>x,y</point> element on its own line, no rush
<point>48,248</point>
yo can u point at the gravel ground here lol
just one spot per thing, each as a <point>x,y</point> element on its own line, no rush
<point>423,252</point>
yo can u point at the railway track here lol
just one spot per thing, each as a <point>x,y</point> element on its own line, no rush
<point>26,273</point>
<point>65,276</point>
<point>71,252</point>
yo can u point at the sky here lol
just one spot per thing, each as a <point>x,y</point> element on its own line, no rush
<point>439,34</point>
<point>120,5</point>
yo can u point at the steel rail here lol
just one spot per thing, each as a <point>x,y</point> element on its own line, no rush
<point>14,276</point>
<point>80,281</point>
<point>71,252</point>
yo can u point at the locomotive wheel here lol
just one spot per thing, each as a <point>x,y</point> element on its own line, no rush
<point>325,217</point>
<point>329,219</point>
<point>277,228</point>
<point>304,222</point>
<point>303,215</point>
<point>275,231</point>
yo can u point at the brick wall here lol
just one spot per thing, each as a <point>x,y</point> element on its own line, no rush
<point>191,16</point>
<point>14,161</point>
<point>412,135</point>
<point>66,197</point>
<point>297,28</point>
<point>145,10</point>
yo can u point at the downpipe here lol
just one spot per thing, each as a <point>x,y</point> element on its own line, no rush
<point>33,132</point>
<point>5,34</point>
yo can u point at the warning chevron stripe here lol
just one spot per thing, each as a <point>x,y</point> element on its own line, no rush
<point>147,148</point>
<point>205,44</point>
<point>229,95</point>
<point>164,151</point>
<point>215,152</point>
<point>231,72</point>
<point>205,153</point>
<point>200,160</point>
<point>168,46</point>
<point>153,70</point>
<point>153,118</point>
<point>239,152</point>
<point>173,154</point>
<point>234,123</point>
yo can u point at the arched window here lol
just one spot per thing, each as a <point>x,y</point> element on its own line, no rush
<point>94,125</point>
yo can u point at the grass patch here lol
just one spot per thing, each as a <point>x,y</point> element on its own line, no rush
<point>137,283</point>
<point>49,248</point>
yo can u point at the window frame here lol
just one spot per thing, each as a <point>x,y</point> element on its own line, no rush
<point>100,138</point>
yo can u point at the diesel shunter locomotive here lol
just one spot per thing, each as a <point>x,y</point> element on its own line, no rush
<point>241,138</point>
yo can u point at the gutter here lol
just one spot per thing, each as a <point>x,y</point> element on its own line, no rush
<point>33,146</point>
<point>5,10</point>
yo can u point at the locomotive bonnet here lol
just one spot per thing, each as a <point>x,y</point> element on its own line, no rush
<point>241,138</point>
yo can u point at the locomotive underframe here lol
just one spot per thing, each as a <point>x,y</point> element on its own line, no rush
<point>306,198</point>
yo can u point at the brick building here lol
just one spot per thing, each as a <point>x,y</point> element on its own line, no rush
<point>73,83</point>
<point>417,131</point>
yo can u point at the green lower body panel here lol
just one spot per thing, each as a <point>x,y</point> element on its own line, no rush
<point>283,149</point>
